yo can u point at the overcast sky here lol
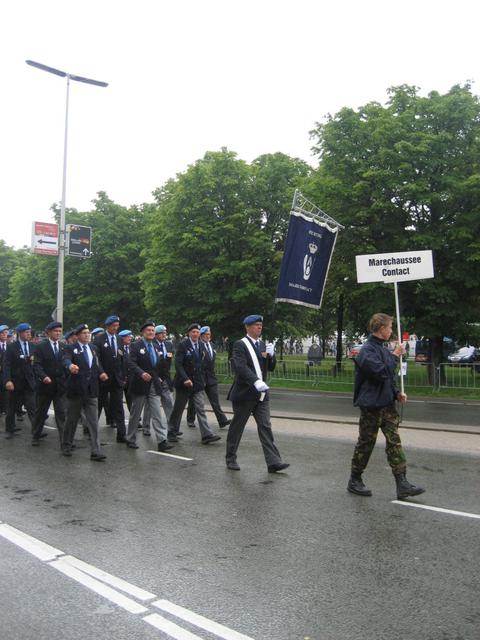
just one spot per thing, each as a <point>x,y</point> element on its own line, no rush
<point>187,76</point>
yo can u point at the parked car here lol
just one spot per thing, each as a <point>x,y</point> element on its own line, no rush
<point>464,355</point>
<point>355,350</point>
<point>423,351</point>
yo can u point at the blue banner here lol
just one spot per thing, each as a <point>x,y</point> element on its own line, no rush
<point>308,251</point>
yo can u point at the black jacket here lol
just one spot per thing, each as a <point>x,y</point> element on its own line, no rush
<point>139,363</point>
<point>45,363</point>
<point>2,361</point>
<point>189,365</point>
<point>209,366</point>
<point>375,385</point>
<point>86,381</point>
<point>243,387</point>
<point>18,368</point>
<point>112,363</point>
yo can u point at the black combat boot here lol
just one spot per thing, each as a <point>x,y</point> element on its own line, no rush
<point>355,485</point>
<point>404,488</point>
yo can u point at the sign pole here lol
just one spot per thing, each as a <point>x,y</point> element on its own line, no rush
<point>397,311</point>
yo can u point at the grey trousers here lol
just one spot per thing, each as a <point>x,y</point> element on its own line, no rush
<point>181,398</point>
<point>261,413</point>
<point>211,391</point>
<point>167,404</point>
<point>153,402</point>
<point>75,405</point>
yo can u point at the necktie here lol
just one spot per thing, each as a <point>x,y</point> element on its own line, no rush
<point>85,355</point>
<point>126,349</point>
<point>55,349</point>
<point>152,354</point>
<point>112,342</point>
<point>25,349</point>
<point>210,352</point>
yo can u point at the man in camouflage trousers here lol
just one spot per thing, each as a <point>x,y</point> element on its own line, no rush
<point>375,394</point>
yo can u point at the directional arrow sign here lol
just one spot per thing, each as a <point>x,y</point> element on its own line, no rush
<point>45,238</point>
<point>79,241</point>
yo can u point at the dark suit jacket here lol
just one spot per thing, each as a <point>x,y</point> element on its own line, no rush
<point>209,366</point>
<point>189,365</point>
<point>18,368</point>
<point>46,364</point>
<point>243,387</point>
<point>139,363</point>
<point>112,363</point>
<point>85,382</point>
<point>2,362</point>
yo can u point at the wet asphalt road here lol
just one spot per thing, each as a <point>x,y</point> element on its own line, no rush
<point>288,556</point>
<point>450,412</point>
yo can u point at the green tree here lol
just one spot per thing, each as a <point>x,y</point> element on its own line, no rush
<point>405,176</point>
<point>10,261</point>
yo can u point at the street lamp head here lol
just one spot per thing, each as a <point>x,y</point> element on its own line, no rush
<point>44,67</point>
<point>64,74</point>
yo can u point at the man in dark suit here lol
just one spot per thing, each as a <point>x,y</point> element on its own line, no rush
<point>18,377</point>
<point>110,354</point>
<point>3,351</point>
<point>249,394</point>
<point>81,360</point>
<point>211,383</point>
<point>126,337</point>
<point>146,374</point>
<point>50,378</point>
<point>189,383</point>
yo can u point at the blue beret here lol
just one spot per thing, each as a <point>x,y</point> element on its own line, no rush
<point>124,332</point>
<point>98,330</point>
<point>53,325</point>
<point>253,318</point>
<point>111,320</point>
<point>160,327</point>
<point>3,327</point>
<point>80,328</point>
<point>204,330</point>
<point>23,326</point>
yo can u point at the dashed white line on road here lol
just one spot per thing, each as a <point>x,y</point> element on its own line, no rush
<point>200,621</point>
<point>172,629</point>
<point>168,455</point>
<point>98,587</point>
<point>113,581</point>
<point>465,514</point>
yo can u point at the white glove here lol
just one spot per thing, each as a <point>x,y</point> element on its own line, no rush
<point>261,386</point>
<point>270,349</point>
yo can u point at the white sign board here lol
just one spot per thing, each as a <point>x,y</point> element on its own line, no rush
<point>394,267</point>
<point>45,238</point>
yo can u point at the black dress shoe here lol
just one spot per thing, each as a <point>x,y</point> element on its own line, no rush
<point>97,456</point>
<point>66,452</point>
<point>43,435</point>
<point>164,446</point>
<point>131,445</point>
<point>16,429</point>
<point>120,438</point>
<point>192,426</point>
<point>234,466</point>
<point>146,433</point>
<point>273,468</point>
<point>172,438</point>
<point>9,435</point>
<point>209,439</point>
<point>179,434</point>
<point>225,424</point>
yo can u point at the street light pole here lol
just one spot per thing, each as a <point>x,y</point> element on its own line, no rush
<point>62,234</point>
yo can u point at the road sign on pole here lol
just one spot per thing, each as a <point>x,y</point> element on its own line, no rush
<point>45,238</point>
<point>79,241</point>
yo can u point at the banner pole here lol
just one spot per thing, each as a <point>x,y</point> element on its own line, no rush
<point>397,311</point>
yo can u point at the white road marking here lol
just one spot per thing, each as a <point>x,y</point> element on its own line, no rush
<point>168,455</point>
<point>36,547</point>
<point>51,428</point>
<point>199,621</point>
<point>172,629</point>
<point>113,581</point>
<point>98,587</point>
<point>439,509</point>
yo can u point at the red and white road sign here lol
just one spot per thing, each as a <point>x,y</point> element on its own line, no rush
<point>45,238</point>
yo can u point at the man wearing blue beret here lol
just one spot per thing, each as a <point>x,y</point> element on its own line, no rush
<point>111,355</point>
<point>249,394</point>
<point>50,378</point>
<point>3,351</point>
<point>18,377</point>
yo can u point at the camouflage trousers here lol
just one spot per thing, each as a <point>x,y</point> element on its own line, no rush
<point>371,420</point>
